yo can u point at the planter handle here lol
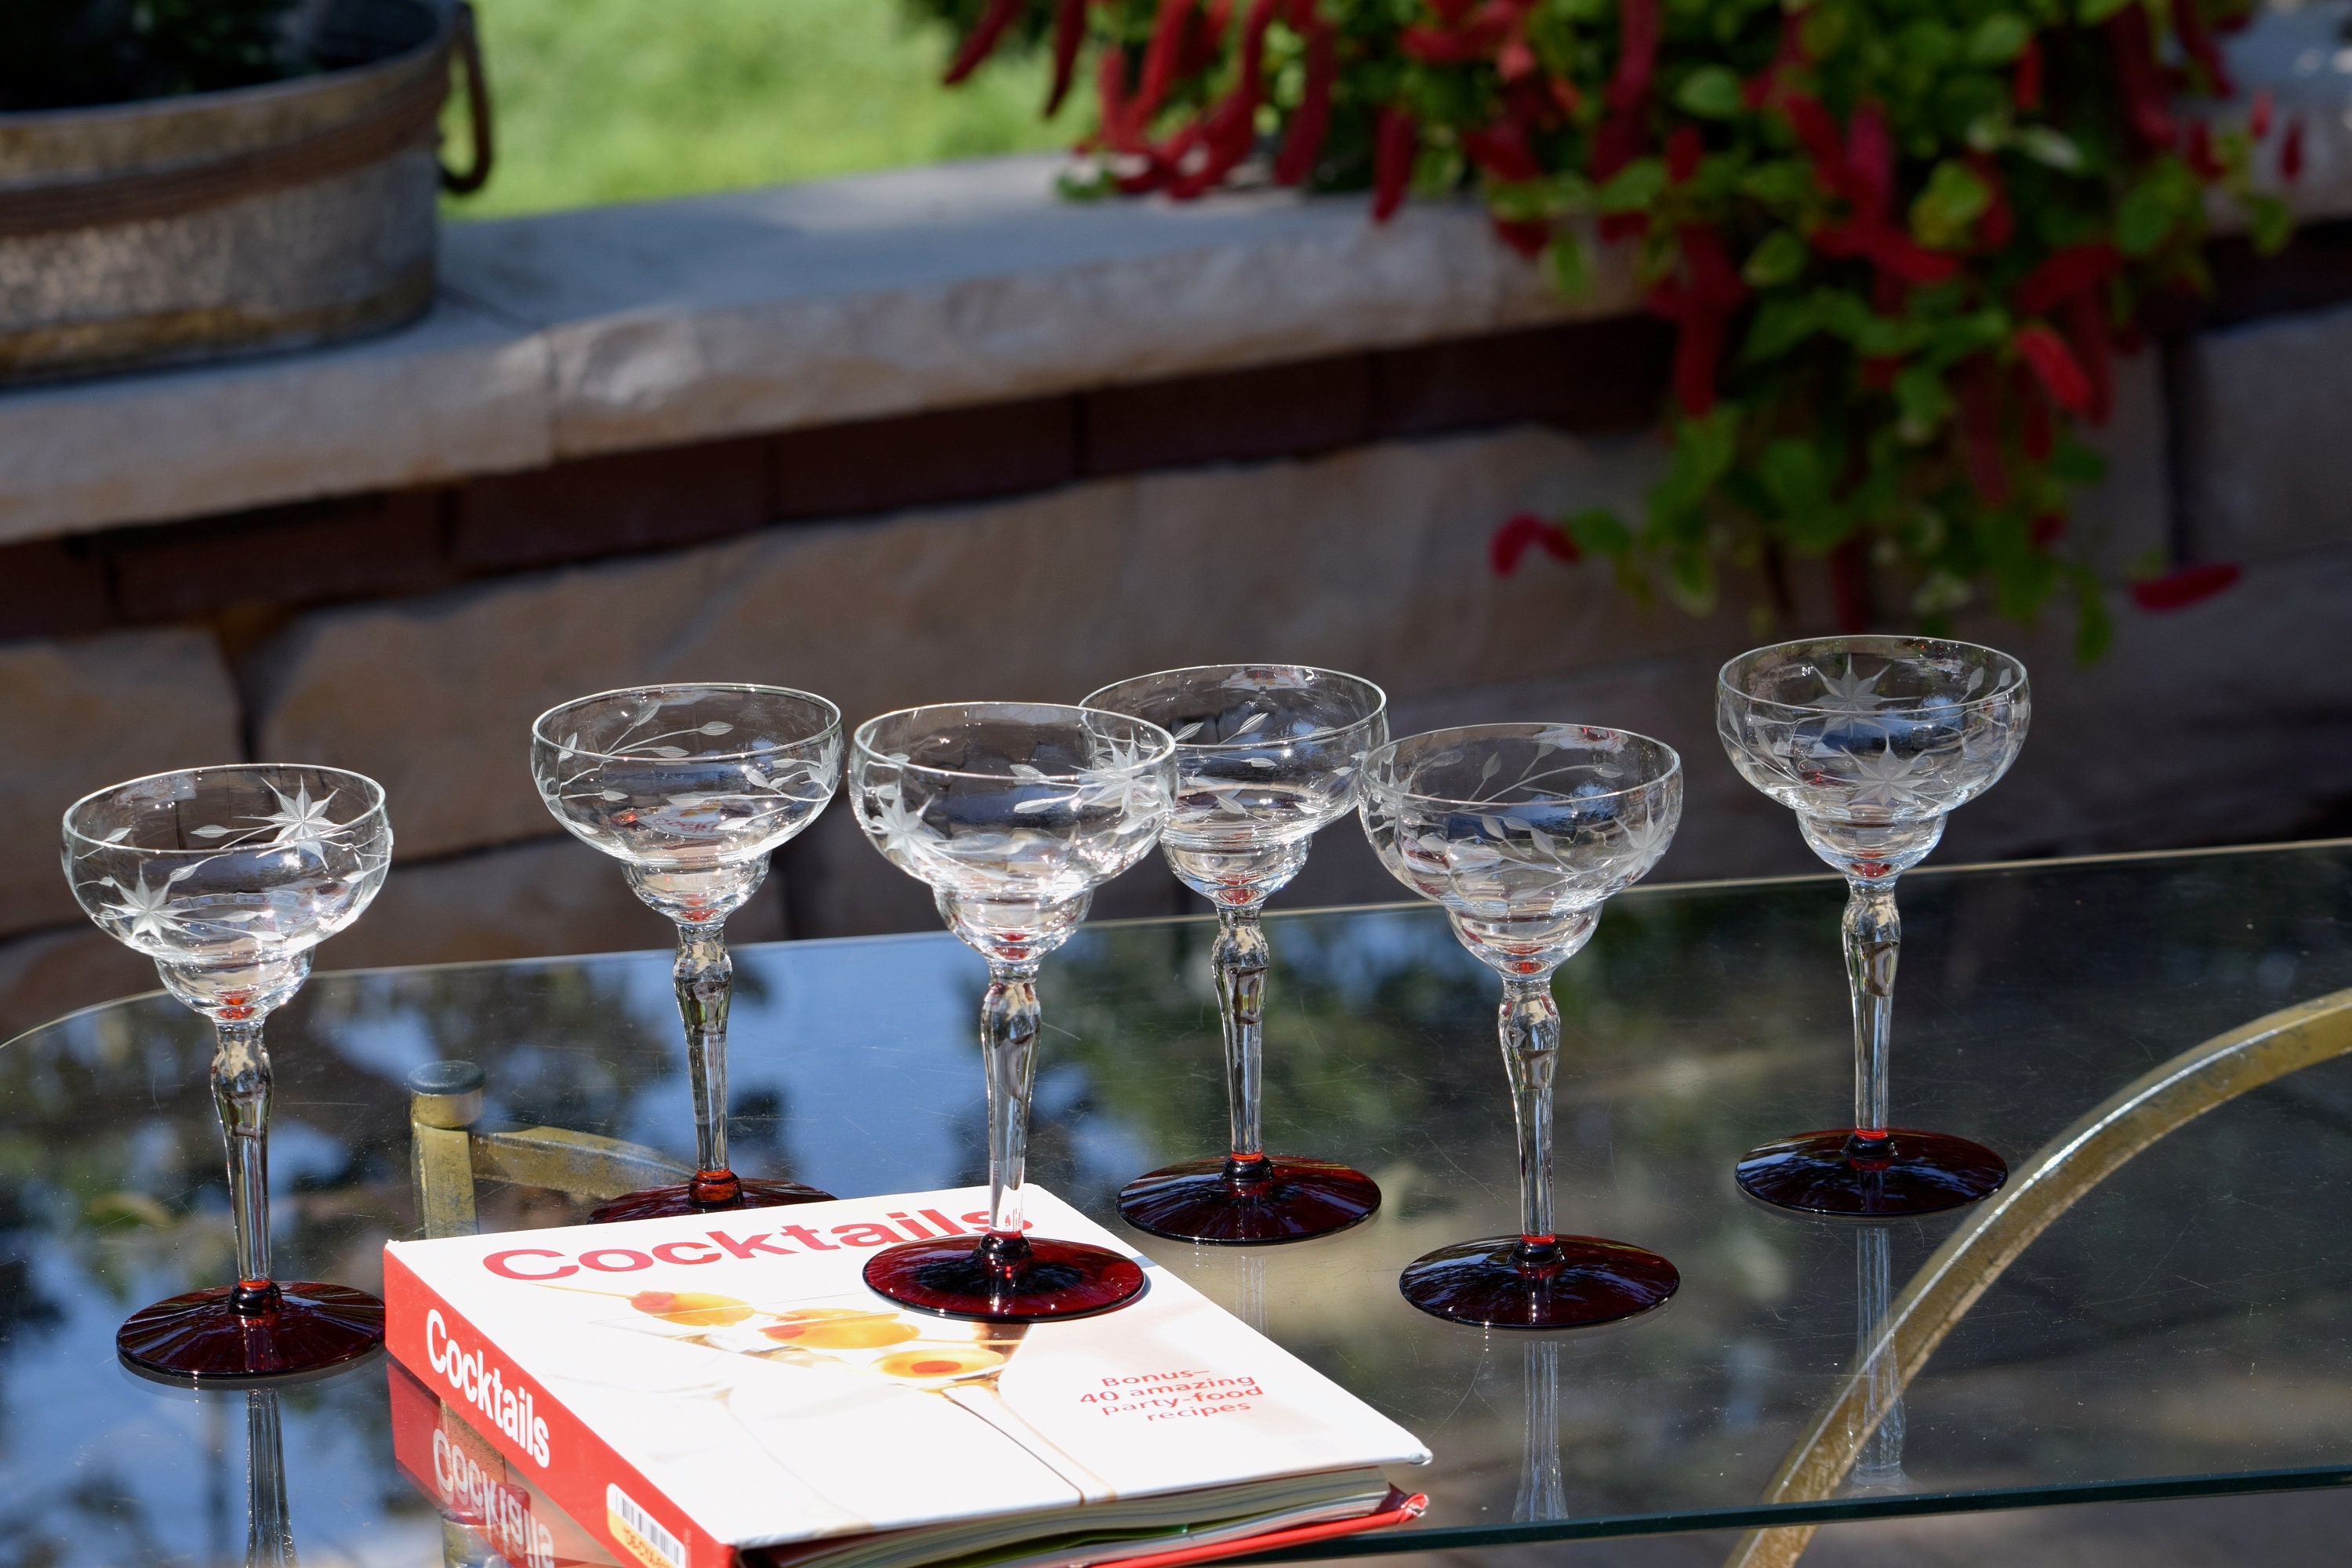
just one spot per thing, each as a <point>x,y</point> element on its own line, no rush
<point>478,109</point>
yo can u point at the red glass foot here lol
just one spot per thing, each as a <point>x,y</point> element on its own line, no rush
<point>302,1326</point>
<point>704,1195</point>
<point>1233,1202</point>
<point>1003,1278</point>
<point>1840,1172</point>
<point>1574,1282</point>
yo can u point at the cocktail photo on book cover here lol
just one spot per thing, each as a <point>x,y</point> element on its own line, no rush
<point>742,1387</point>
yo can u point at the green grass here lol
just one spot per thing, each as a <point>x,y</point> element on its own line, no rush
<point>613,101</point>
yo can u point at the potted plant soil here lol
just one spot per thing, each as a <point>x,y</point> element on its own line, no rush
<point>185,179</point>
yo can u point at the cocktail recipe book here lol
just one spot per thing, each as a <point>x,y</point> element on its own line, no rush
<point>693,1388</point>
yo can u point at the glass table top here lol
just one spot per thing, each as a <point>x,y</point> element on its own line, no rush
<point>2187,1326</point>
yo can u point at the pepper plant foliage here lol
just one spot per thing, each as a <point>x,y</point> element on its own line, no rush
<point>1900,240</point>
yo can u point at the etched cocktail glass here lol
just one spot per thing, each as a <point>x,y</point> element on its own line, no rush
<point>1521,832</point>
<point>1013,813</point>
<point>1872,742</point>
<point>691,788</point>
<point>1266,756</point>
<point>227,877</point>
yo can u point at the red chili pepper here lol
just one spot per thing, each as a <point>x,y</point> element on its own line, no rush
<point>1997,224</point>
<point>1198,48</point>
<point>1892,248</point>
<point>1684,149</point>
<point>2132,46</point>
<point>2055,363</point>
<point>1980,430</point>
<point>2291,150</point>
<point>1515,59</point>
<point>1715,280</point>
<point>2189,27</point>
<point>1527,236</point>
<point>2178,590</point>
<point>1303,143</point>
<point>1511,541</point>
<point>1818,132</point>
<point>1228,131</point>
<point>2258,121</point>
<point>2066,272</point>
<point>2086,334</point>
<point>1698,352</point>
<point>2047,529</point>
<point>982,39</point>
<point>1502,150</point>
<point>1394,143</point>
<point>1879,370</point>
<point>1870,154</point>
<point>1160,60</point>
<point>2025,82</point>
<point>2036,431</point>
<point>1637,54</point>
<point>1618,142</point>
<point>1116,130</point>
<point>1069,32</point>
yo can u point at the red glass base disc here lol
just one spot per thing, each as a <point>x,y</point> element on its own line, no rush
<point>200,1336</point>
<point>1574,1283</point>
<point>664,1203</point>
<point>1044,1279</point>
<point>1838,1172</point>
<point>1228,1202</point>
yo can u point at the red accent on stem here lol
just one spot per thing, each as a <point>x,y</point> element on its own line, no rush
<point>2191,584</point>
<point>2291,150</point>
<point>2258,119</point>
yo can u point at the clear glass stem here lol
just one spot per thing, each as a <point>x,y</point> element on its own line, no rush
<point>705,978</point>
<point>1873,940</point>
<point>1008,1040</point>
<point>241,1095</point>
<point>1878,1462</point>
<point>1241,964</point>
<point>1542,1491</point>
<point>270,1524</point>
<point>1529,1021</point>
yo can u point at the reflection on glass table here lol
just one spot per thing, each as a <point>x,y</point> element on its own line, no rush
<point>2185,1326</point>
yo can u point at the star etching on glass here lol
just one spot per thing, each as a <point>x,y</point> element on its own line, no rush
<point>1887,781</point>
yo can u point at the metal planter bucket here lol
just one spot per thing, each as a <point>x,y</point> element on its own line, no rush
<point>187,228</point>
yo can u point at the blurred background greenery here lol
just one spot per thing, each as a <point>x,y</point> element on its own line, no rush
<point>613,101</point>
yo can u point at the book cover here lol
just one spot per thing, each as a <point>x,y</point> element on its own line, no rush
<point>686,1388</point>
